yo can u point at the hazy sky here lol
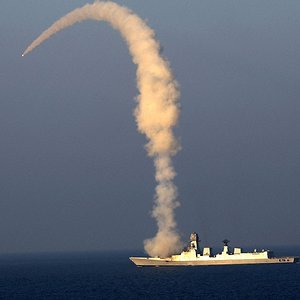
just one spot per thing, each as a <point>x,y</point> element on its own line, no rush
<point>74,174</point>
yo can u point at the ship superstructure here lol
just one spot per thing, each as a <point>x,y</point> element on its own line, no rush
<point>193,256</point>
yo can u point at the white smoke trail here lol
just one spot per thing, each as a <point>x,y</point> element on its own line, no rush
<point>156,113</point>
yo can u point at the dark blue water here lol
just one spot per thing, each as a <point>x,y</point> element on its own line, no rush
<point>113,276</point>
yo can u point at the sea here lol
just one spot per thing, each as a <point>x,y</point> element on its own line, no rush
<point>111,275</point>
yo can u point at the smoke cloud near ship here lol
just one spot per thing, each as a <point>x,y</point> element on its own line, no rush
<point>156,113</point>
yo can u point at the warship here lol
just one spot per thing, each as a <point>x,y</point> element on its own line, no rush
<point>193,256</point>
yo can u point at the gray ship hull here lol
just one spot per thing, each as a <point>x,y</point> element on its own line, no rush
<point>164,262</point>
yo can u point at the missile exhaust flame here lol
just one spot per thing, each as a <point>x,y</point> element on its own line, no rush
<point>157,110</point>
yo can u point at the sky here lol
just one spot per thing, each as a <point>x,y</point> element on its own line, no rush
<point>74,173</point>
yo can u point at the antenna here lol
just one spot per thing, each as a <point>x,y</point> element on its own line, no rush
<point>225,242</point>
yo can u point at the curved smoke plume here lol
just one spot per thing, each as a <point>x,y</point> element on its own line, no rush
<point>157,108</point>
